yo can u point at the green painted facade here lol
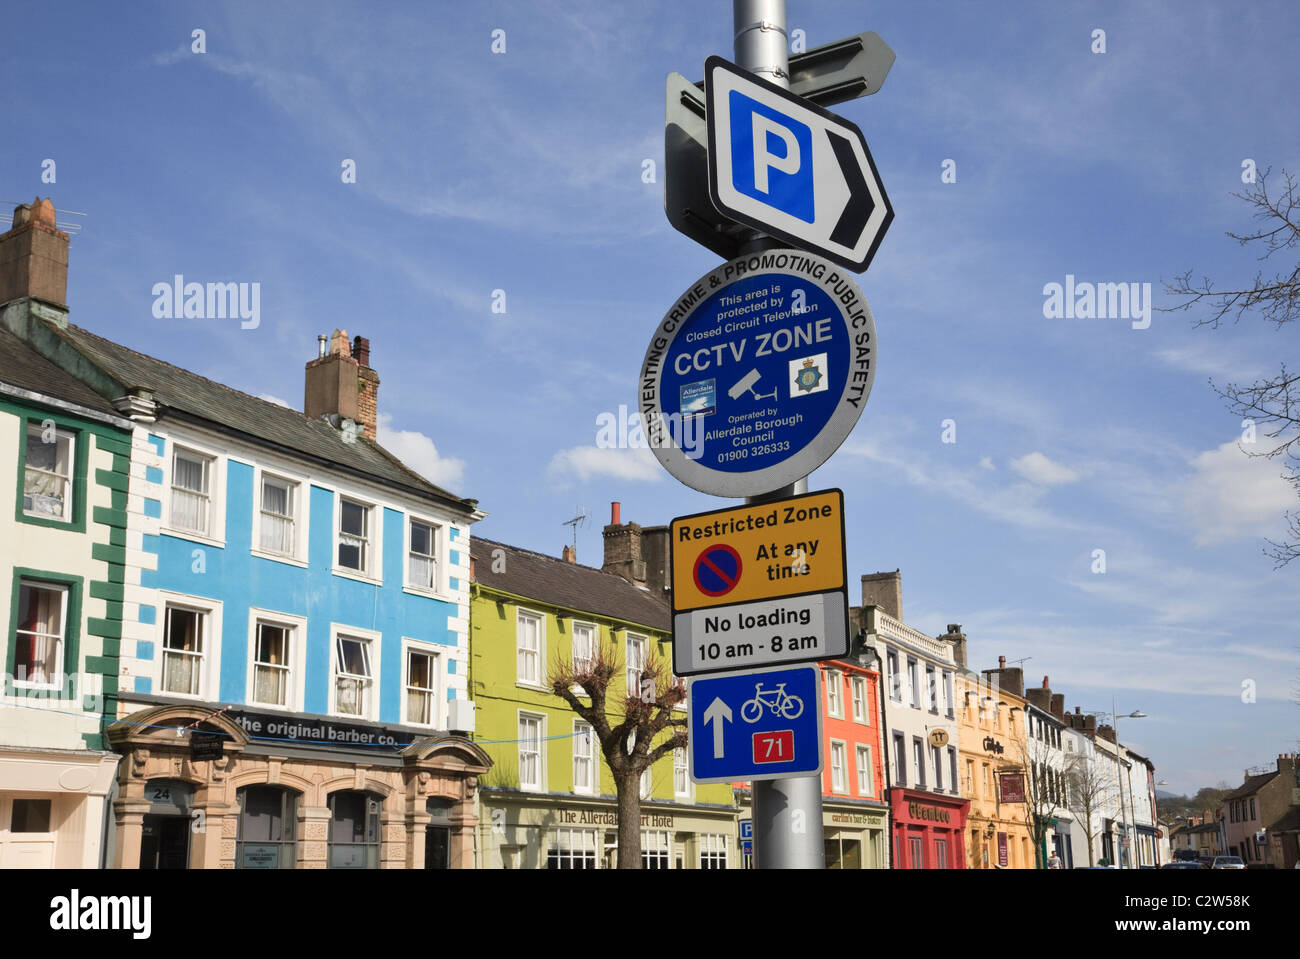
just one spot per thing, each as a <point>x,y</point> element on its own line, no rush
<point>92,643</point>
<point>500,697</point>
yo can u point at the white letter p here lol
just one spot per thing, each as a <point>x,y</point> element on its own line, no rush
<point>763,159</point>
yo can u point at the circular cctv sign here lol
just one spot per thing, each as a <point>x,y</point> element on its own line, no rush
<point>758,373</point>
<point>717,570</point>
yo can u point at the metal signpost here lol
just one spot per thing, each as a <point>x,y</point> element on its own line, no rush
<point>760,585</point>
<point>752,380</point>
<point>756,726</point>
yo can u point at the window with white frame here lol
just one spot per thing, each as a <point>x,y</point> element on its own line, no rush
<point>584,758</point>
<point>914,682</point>
<point>272,664</point>
<point>865,772</point>
<point>584,647</point>
<point>656,849</point>
<point>353,675</point>
<point>635,663</point>
<point>47,473</point>
<point>191,491</point>
<point>528,648</point>
<point>278,528</point>
<point>952,768</point>
<point>918,764</point>
<point>948,693</point>
<point>41,635</point>
<point>355,551</point>
<point>895,680</point>
<point>839,771</point>
<point>681,775</point>
<point>860,700</point>
<point>184,642</point>
<point>572,849</point>
<point>422,555</point>
<point>713,851</point>
<point>932,687</point>
<point>423,681</point>
<point>834,698</point>
<point>936,761</point>
<point>530,751</point>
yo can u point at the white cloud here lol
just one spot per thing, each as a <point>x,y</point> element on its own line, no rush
<point>1232,494</point>
<point>418,452</point>
<point>986,463</point>
<point>1037,468</point>
<point>585,462</point>
<point>273,399</point>
<point>1211,358</point>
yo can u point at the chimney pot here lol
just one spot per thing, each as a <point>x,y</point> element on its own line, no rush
<point>1002,662</point>
<point>1046,684</point>
<point>615,513</point>
<point>321,341</point>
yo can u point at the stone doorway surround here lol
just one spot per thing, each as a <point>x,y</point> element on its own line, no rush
<point>443,766</point>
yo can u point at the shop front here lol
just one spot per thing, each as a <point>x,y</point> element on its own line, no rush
<point>520,830</point>
<point>854,835</point>
<point>929,830</point>
<point>52,806</point>
<point>234,789</point>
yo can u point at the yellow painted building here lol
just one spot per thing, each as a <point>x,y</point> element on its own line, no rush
<point>991,764</point>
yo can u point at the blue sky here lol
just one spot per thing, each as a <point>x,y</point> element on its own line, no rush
<point>522,172</point>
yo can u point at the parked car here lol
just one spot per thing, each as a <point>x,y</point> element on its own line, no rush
<point>1228,862</point>
<point>1185,864</point>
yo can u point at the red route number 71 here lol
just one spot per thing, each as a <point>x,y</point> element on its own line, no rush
<point>776,746</point>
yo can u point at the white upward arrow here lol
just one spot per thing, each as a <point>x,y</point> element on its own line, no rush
<point>717,713</point>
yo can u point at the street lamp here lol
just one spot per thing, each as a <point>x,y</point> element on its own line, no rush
<point>1123,814</point>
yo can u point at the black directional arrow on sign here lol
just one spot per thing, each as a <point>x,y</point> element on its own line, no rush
<point>857,211</point>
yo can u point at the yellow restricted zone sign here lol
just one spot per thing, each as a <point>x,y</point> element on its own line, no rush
<point>759,585</point>
<point>759,552</point>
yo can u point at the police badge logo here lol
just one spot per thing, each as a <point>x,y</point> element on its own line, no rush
<point>808,375</point>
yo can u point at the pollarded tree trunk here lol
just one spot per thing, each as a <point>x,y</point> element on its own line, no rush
<point>628,784</point>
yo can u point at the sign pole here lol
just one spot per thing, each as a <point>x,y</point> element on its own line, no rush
<point>787,812</point>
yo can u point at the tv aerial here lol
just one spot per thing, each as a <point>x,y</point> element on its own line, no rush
<point>577,522</point>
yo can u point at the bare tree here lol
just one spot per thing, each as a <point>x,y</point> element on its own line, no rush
<point>626,727</point>
<point>1088,794</point>
<point>1044,791</point>
<point>1271,404</point>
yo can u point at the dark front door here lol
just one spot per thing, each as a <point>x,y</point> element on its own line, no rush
<point>165,843</point>
<point>437,847</point>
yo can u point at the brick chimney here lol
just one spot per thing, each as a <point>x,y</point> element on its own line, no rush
<point>957,639</point>
<point>885,592</point>
<point>340,382</point>
<point>1058,705</point>
<point>569,554</point>
<point>367,388</point>
<point>1012,679</point>
<point>640,556</point>
<point>1042,696</point>
<point>34,255</point>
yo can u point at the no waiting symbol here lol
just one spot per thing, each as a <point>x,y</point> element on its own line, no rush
<point>717,570</point>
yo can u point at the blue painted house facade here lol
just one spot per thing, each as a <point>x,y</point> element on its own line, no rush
<point>291,687</point>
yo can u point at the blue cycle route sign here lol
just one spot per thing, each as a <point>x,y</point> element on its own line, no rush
<point>758,373</point>
<point>764,724</point>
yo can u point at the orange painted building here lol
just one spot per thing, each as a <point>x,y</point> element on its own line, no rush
<point>854,809</point>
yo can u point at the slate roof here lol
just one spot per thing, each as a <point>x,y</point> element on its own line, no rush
<point>556,582</point>
<point>1251,785</point>
<point>199,397</point>
<point>23,367</point>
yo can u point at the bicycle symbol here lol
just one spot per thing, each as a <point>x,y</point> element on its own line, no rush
<point>777,700</point>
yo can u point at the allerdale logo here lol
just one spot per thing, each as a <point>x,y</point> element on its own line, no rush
<point>77,912</point>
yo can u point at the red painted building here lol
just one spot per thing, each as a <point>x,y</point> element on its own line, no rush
<point>854,811</point>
